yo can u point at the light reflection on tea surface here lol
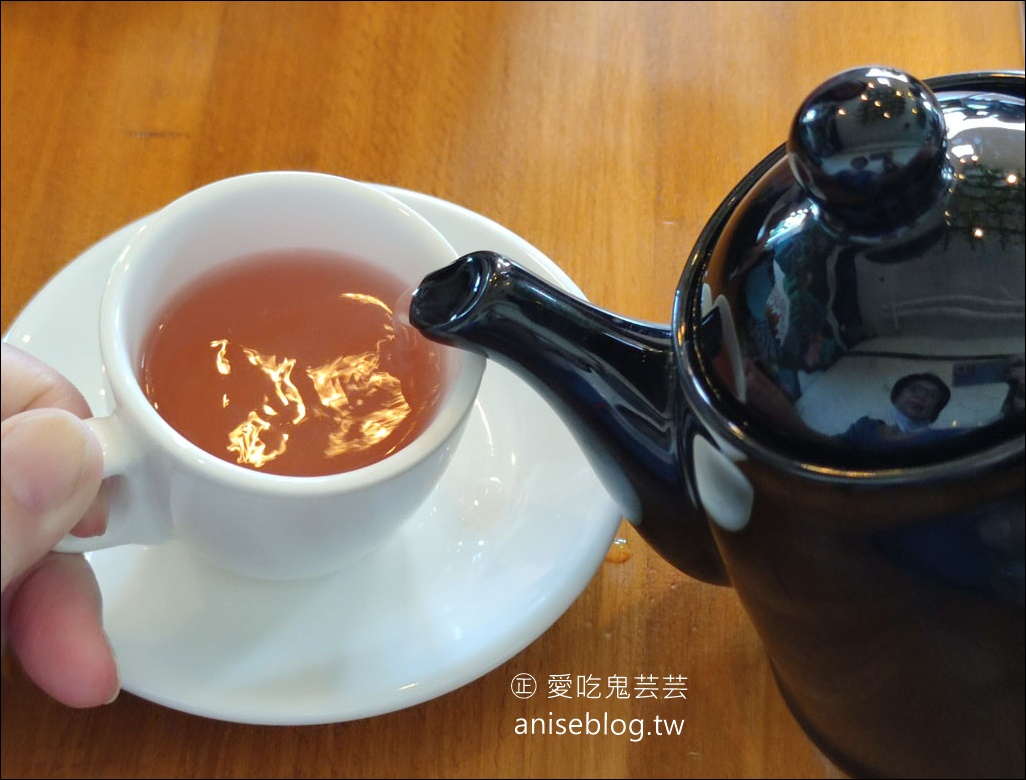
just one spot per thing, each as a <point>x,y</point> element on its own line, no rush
<point>293,362</point>
<point>365,402</point>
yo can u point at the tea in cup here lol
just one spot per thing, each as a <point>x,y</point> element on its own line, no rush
<point>272,408</point>
<point>292,362</point>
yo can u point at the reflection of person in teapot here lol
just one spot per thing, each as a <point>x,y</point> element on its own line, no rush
<point>917,401</point>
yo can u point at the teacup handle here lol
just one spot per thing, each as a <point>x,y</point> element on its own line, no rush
<point>132,518</point>
<point>118,451</point>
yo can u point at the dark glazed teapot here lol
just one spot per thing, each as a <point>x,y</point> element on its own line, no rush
<point>833,423</point>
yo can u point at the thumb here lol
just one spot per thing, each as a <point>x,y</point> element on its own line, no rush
<point>51,471</point>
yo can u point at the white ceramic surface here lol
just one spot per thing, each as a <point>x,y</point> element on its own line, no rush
<point>509,539</point>
<point>247,521</point>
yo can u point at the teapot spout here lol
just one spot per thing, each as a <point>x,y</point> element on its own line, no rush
<point>611,380</point>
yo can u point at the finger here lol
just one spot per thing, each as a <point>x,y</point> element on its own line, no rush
<point>51,472</point>
<point>29,383</point>
<point>54,626</point>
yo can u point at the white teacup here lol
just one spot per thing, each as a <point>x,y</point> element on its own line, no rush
<point>161,486</point>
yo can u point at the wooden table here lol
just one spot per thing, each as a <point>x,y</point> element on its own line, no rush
<point>603,133</point>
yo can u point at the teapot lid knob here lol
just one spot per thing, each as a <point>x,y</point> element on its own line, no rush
<point>868,147</point>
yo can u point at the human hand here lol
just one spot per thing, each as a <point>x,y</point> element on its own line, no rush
<point>52,470</point>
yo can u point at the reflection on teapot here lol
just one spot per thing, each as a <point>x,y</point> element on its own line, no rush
<point>833,422</point>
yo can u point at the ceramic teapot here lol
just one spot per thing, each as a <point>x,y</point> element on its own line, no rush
<point>832,423</point>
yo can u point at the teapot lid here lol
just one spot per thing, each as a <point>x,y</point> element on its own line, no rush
<point>857,300</point>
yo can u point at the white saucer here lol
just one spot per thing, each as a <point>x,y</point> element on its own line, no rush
<point>511,537</point>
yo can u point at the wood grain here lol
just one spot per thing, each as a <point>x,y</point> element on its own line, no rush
<point>603,133</point>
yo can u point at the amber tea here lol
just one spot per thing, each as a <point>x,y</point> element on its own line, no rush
<point>293,363</point>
